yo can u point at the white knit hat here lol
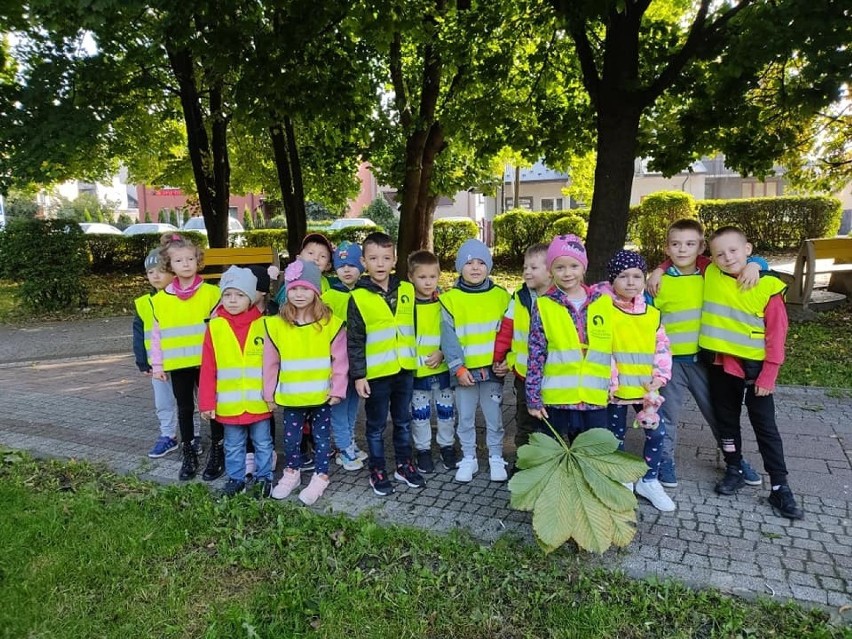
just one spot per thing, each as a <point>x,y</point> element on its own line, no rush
<point>241,279</point>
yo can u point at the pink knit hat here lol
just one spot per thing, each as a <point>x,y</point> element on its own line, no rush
<point>567,246</point>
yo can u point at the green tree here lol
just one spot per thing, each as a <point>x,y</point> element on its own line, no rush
<point>248,220</point>
<point>148,216</point>
<point>382,214</point>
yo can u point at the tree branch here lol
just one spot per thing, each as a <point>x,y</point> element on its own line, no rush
<point>398,80</point>
<point>591,77</point>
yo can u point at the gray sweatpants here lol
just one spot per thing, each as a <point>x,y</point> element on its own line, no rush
<point>165,406</point>
<point>489,396</point>
<point>687,377</point>
<point>421,417</point>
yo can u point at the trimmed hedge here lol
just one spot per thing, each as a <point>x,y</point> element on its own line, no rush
<point>127,253</point>
<point>449,235</point>
<point>569,224</point>
<point>518,229</point>
<point>649,222</point>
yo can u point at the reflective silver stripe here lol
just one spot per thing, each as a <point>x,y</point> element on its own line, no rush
<point>598,357</point>
<point>520,336</point>
<point>521,358</point>
<point>558,382</point>
<point>632,380</point>
<point>238,373</point>
<point>146,334</point>
<point>227,397</point>
<point>381,336</point>
<point>732,336</point>
<point>429,340</point>
<point>405,330</point>
<point>381,358</point>
<point>407,351</point>
<point>299,365</point>
<point>478,349</point>
<point>732,313</point>
<point>303,387</point>
<point>467,330</point>
<point>597,383</point>
<point>563,357</point>
<point>182,351</point>
<point>681,316</point>
<point>683,338</point>
<point>633,358</point>
<point>183,331</point>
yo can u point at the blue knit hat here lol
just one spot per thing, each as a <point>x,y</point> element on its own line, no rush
<point>474,250</point>
<point>348,254</point>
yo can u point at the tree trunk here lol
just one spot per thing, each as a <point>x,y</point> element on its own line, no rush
<point>289,169</point>
<point>618,129</point>
<point>516,190</point>
<point>217,223</point>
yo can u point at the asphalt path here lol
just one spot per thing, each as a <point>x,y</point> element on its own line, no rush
<point>39,341</point>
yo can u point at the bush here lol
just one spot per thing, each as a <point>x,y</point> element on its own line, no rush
<point>277,222</point>
<point>383,214</point>
<point>126,254</point>
<point>518,229</point>
<point>449,235</point>
<point>48,258</point>
<point>649,222</point>
<point>569,224</point>
<point>276,238</point>
<point>354,234</point>
<point>774,223</point>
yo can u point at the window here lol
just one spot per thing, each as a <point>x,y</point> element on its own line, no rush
<point>232,211</point>
<point>551,204</point>
<point>526,203</point>
<point>760,189</point>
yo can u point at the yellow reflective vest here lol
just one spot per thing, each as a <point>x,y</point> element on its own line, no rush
<point>732,320</point>
<point>519,355</point>
<point>239,371</point>
<point>634,342</point>
<point>680,300</point>
<point>182,325</point>
<point>391,345</point>
<point>304,372</point>
<point>428,336</point>
<point>571,375</point>
<point>477,318</point>
<point>337,301</point>
<point>145,311</point>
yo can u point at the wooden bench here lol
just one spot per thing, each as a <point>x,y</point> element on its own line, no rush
<point>221,258</point>
<point>832,256</point>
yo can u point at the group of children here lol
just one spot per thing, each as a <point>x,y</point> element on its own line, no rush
<point>580,354</point>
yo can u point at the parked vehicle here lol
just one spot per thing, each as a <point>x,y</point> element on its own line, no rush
<point>149,227</point>
<point>349,222</point>
<point>99,228</point>
<point>197,224</point>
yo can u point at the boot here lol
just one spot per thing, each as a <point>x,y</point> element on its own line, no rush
<point>215,462</point>
<point>189,465</point>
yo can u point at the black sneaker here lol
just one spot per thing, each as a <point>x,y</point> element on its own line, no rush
<point>449,458</point>
<point>189,463</point>
<point>784,504</point>
<point>215,462</point>
<point>731,482</point>
<point>308,462</point>
<point>233,487</point>
<point>425,464</point>
<point>382,486</point>
<point>408,474</point>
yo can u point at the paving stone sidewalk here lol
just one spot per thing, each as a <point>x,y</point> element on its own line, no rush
<point>99,408</point>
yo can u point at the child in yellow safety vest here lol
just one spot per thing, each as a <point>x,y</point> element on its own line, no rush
<point>432,377</point>
<point>348,266</point>
<point>471,315</point>
<point>181,311</point>
<point>305,370</point>
<point>230,388</point>
<point>643,361</point>
<point>570,345</point>
<point>743,335</point>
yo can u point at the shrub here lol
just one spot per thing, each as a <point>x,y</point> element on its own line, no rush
<point>126,254</point>
<point>276,238</point>
<point>569,224</point>
<point>248,219</point>
<point>774,223</point>
<point>48,258</point>
<point>518,229</point>
<point>449,235</point>
<point>383,214</point>
<point>277,222</point>
<point>354,234</point>
<point>316,212</point>
<point>651,219</point>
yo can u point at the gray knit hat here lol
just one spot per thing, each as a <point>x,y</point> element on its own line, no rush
<point>153,259</point>
<point>474,250</point>
<point>241,279</point>
<point>303,273</point>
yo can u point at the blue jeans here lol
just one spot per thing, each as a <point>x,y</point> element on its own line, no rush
<point>391,393</point>
<point>343,416</point>
<point>235,449</point>
<point>653,451</point>
<point>293,420</point>
<point>569,422</point>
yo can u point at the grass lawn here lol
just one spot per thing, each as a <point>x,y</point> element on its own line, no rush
<point>87,553</point>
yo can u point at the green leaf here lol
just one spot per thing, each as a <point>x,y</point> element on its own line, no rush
<point>526,485</point>
<point>612,493</point>
<point>597,441</point>
<point>554,514</point>
<point>541,449</point>
<point>619,466</point>
<point>593,525</point>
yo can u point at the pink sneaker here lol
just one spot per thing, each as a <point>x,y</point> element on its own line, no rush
<point>289,480</point>
<point>314,490</point>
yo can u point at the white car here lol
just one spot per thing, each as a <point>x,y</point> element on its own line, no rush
<point>197,224</point>
<point>149,227</point>
<point>349,222</point>
<point>99,228</point>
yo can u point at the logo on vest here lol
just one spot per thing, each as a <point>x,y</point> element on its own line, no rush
<point>598,320</point>
<point>404,299</point>
<point>258,341</point>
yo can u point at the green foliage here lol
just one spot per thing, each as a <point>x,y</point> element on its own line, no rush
<point>185,218</point>
<point>383,214</point>
<point>86,207</point>
<point>124,220</point>
<point>48,258</point>
<point>354,234</point>
<point>248,219</point>
<point>274,237</point>
<point>773,223</point>
<point>569,224</point>
<point>20,204</point>
<point>653,217</point>
<point>819,351</point>
<point>449,235</point>
<point>126,253</point>
<point>317,212</point>
<point>259,219</point>
<point>148,217</point>
<point>518,229</point>
<point>277,222</point>
<point>576,492</point>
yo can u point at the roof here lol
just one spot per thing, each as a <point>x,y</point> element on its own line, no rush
<point>538,172</point>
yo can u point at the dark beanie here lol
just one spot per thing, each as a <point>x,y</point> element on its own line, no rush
<point>624,260</point>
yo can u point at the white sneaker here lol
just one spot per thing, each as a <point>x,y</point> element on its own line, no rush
<point>468,467</point>
<point>654,492</point>
<point>251,467</point>
<point>360,454</point>
<point>497,465</point>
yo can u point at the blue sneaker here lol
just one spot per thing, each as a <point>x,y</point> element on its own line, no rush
<point>750,475</point>
<point>162,447</point>
<point>667,475</point>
